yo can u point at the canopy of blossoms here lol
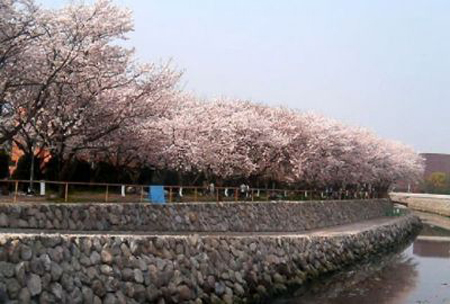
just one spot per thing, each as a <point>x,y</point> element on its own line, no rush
<point>69,87</point>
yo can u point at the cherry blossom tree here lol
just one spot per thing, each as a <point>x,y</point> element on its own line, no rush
<point>222,140</point>
<point>96,87</point>
<point>68,85</point>
<point>20,31</point>
<point>229,139</point>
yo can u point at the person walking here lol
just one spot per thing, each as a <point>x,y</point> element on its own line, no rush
<point>211,189</point>
<point>242,190</point>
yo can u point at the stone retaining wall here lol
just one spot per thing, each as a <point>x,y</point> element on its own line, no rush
<point>240,217</point>
<point>63,268</point>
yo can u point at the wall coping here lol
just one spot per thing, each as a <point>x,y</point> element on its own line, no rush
<point>95,203</point>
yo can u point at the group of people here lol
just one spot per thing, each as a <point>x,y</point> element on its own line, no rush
<point>244,191</point>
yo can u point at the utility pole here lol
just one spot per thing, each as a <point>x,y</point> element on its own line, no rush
<point>30,188</point>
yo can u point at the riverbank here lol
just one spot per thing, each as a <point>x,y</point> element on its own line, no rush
<point>434,219</point>
<point>430,203</point>
<point>189,268</point>
<point>416,274</point>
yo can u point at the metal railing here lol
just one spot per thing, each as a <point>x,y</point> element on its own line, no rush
<point>58,191</point>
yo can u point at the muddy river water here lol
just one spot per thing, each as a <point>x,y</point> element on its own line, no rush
<point>418,274</point>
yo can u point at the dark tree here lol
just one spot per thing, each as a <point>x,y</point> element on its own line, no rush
<point>4,164</point>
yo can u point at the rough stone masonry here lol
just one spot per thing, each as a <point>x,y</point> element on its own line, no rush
<point>234,267</point>
<point>280,216</point>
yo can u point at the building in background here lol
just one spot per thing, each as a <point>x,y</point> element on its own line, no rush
<point>436,178</point>
<point>436,162</point>
<point>17,153</point>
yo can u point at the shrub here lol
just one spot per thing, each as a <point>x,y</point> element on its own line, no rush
<point>438,182</point>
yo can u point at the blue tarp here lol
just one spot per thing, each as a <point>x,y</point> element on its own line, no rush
<point>156,195</point>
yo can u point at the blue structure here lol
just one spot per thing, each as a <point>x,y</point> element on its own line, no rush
<point>156,195</point>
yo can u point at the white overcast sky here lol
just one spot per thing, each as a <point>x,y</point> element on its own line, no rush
<point>383,64</point>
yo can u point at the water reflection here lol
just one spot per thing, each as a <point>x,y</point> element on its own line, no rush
<point>436,247</point>
<point>419,274</point>
<point>387,280</point>
<point>431,230</point>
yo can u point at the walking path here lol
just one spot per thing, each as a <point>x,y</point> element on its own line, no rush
<point>419,195</point>
<point>348,229</point>
<point>442,239</point>
<point>434,219</point>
